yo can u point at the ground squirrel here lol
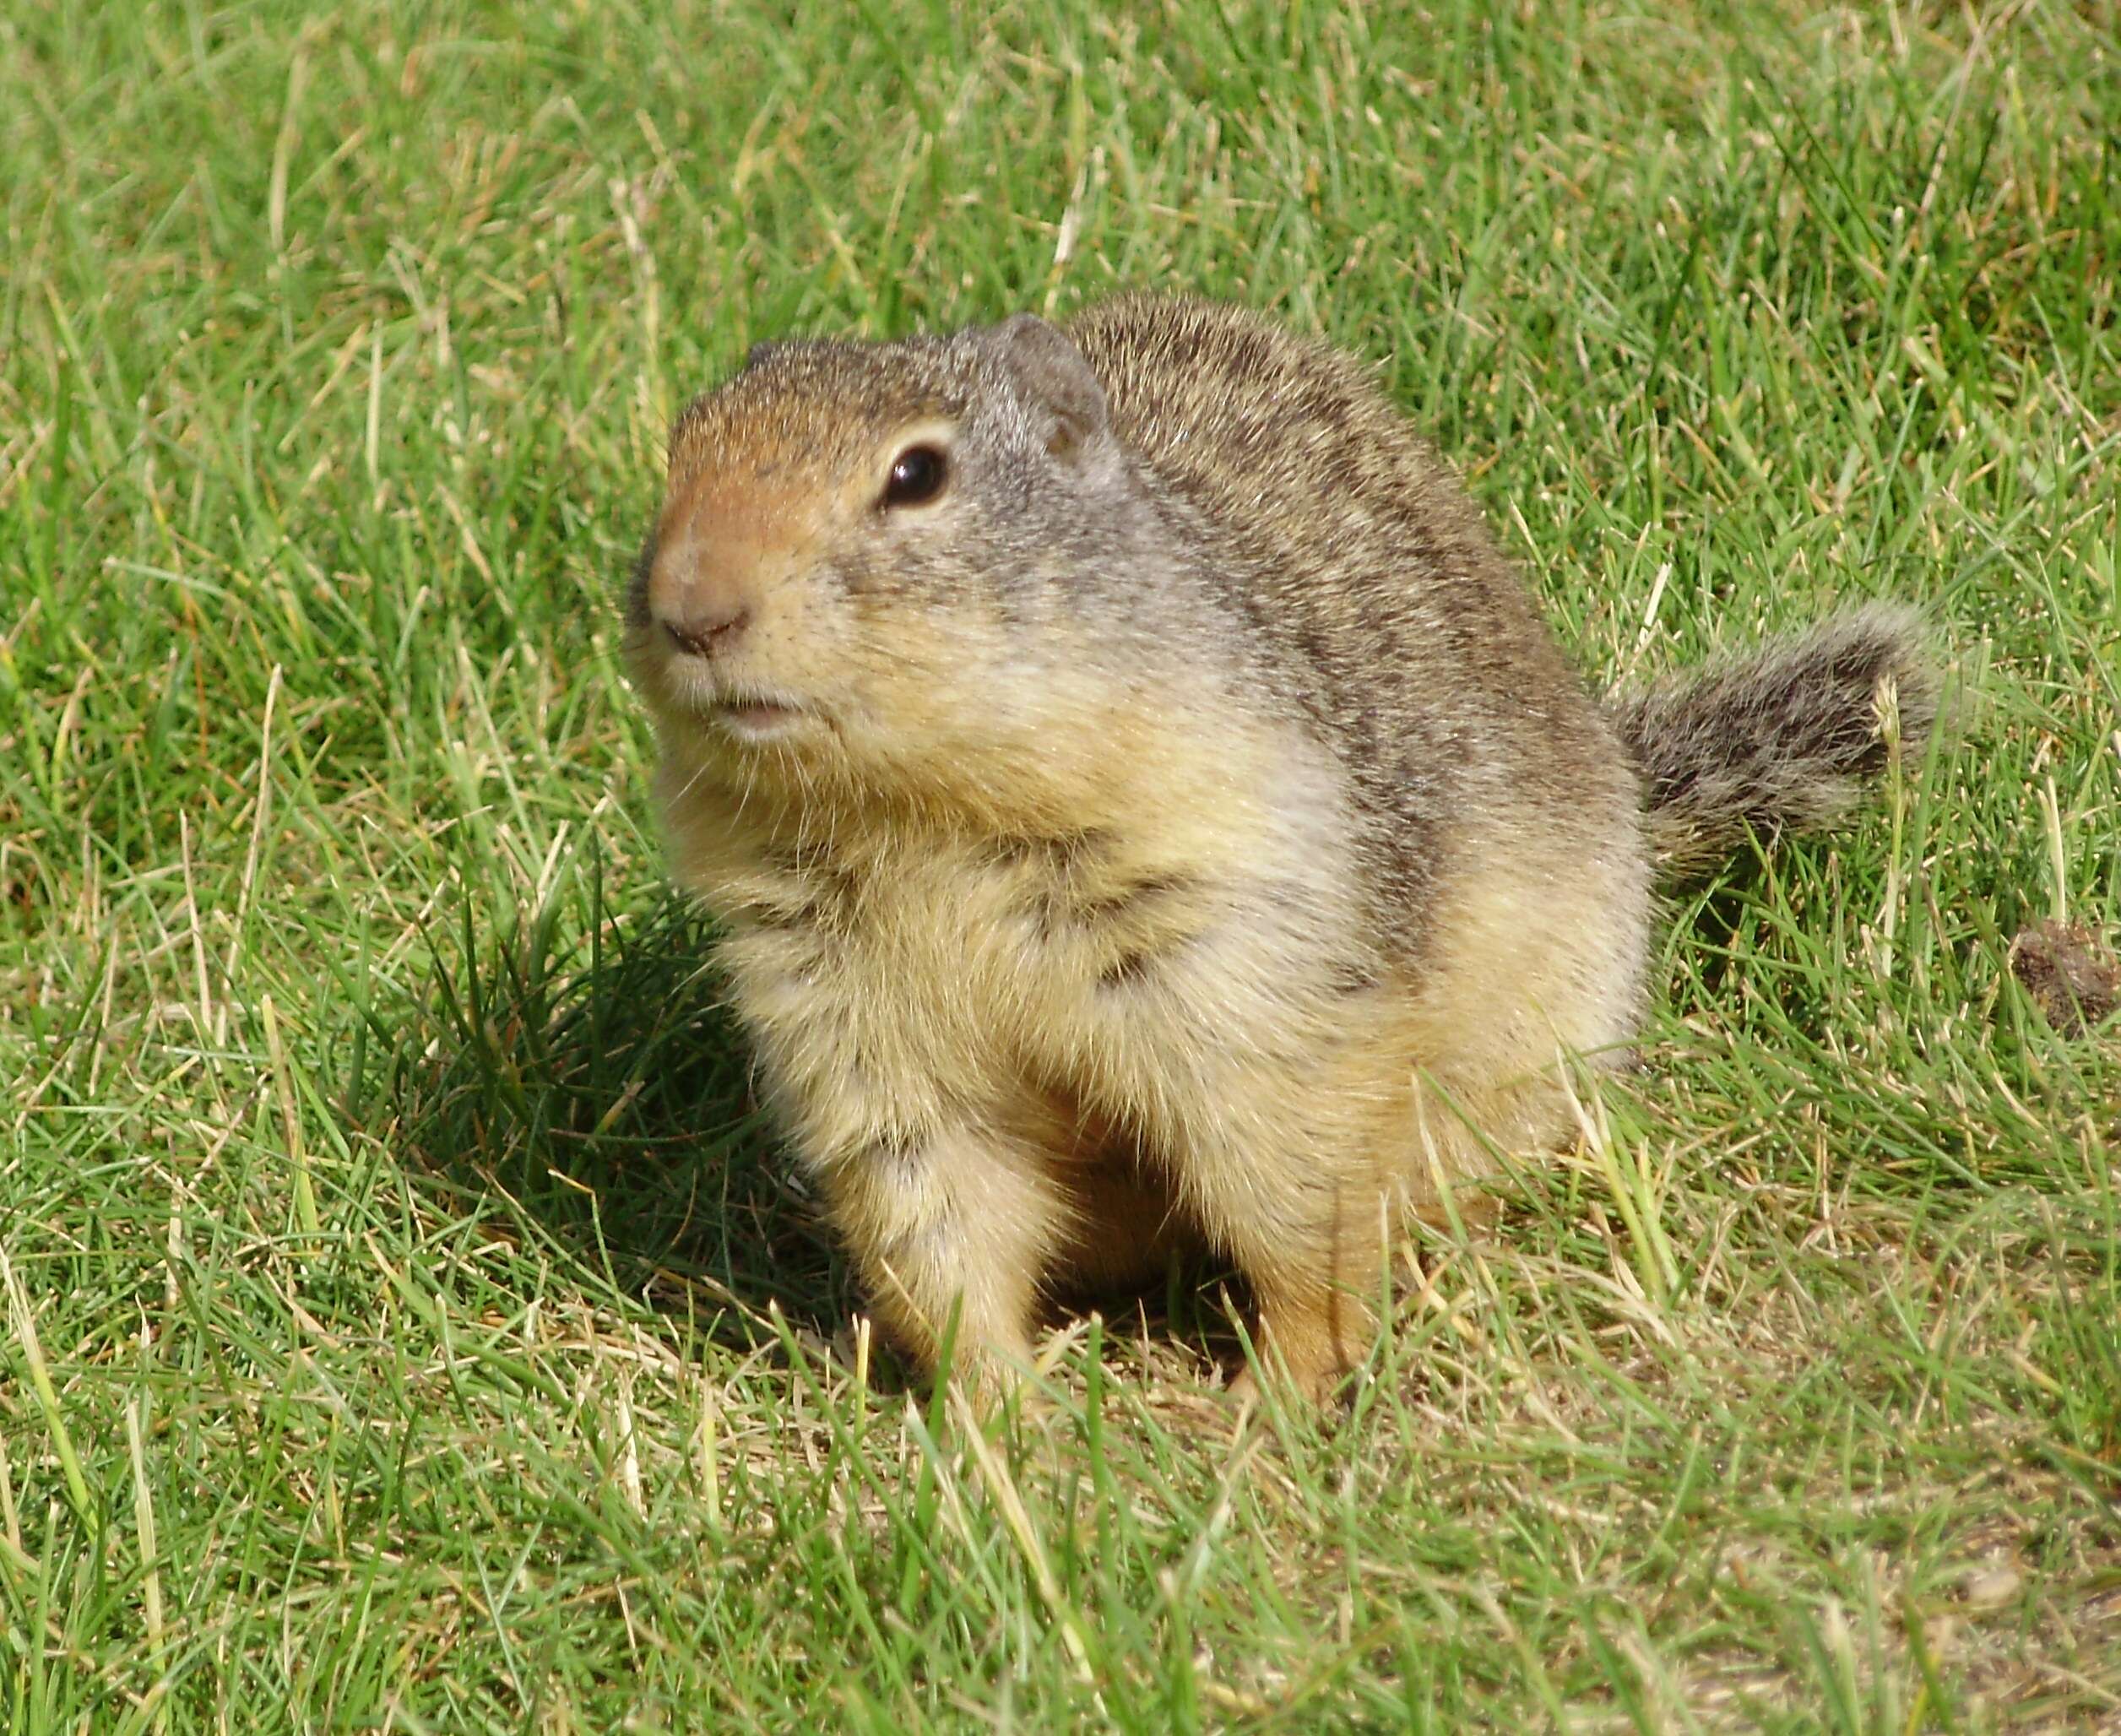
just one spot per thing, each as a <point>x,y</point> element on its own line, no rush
<point>1143,807</point>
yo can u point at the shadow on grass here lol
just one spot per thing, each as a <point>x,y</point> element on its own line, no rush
<point>571,1080</point>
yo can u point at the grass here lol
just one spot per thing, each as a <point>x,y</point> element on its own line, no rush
<point>410,1325</point>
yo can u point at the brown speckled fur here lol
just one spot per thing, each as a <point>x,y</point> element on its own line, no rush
<point>1181,828</point>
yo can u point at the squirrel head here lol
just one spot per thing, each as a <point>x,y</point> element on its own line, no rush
<point>867,555</point>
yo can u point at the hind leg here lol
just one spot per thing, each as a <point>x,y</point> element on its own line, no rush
<point>1288,1185</point>
<point>1308,1176</point>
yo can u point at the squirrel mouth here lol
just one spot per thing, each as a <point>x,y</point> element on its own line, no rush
<point>750,718</point>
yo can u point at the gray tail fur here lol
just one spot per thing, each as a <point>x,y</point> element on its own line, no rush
<point>1784,739</point>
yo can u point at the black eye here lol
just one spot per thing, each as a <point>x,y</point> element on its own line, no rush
<point>917,474</point>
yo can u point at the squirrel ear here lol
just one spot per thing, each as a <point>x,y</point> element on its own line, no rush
<point>1054,374</point>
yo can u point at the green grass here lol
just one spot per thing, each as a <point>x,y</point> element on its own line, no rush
<point>408,1322</point>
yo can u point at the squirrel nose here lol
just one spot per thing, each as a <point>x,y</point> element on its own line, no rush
<point>708,627</point>
<point>704,595</point>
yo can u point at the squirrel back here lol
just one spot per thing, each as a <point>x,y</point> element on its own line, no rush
<point>1356,563</point>
<point>1310,475</point>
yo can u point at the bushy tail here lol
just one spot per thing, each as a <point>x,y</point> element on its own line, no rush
<point>1781,738</point>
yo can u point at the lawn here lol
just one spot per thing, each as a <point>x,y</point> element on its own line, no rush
<point>410,1323</point>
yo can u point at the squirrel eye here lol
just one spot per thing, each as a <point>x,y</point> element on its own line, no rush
<point>917,474</point>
